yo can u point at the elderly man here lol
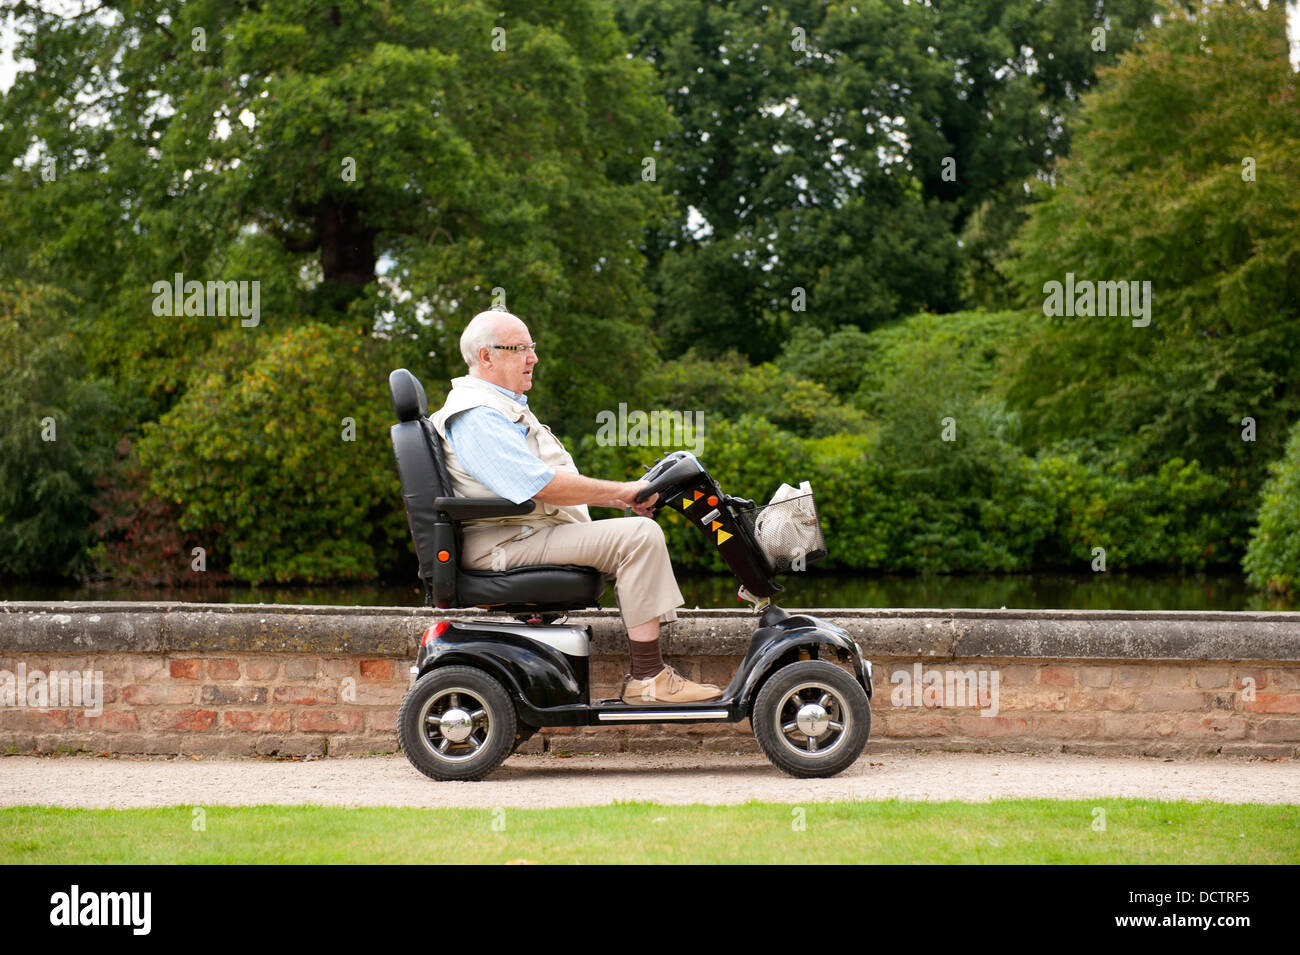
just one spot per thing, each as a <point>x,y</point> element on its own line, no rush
<point>495,446</point>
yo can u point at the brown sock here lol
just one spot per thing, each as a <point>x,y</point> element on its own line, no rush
<point>646,661</point>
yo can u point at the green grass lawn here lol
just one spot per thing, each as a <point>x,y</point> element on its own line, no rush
<point>1005,831</point>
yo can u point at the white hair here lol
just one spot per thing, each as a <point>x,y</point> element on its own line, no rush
<point>481,332</point>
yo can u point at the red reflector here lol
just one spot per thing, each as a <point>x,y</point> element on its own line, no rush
<point>443,556</point>
<point>434,632</point>
<point>713,501</point>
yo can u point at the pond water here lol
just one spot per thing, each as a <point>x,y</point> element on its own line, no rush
<point>1105,591</point>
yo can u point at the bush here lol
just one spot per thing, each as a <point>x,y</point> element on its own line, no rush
<point>1273,556</point>
<point>139,540</point>
<point>937,481</point>
<point>56,434</point>
<point>728,387</point>
<point>255,457</point>
<point>1167,519</point>
<point>837,361</point>
<point>861,367</point>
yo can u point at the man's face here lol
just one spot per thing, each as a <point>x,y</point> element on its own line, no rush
<point>509,369</point>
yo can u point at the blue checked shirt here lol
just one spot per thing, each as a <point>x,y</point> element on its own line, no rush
<point>493,449</point>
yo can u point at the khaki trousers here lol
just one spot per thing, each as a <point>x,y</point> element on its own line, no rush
<point>628,550</point>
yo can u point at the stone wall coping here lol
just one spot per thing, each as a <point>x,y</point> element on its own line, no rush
<point>155,606</point>
<point>82,627</point>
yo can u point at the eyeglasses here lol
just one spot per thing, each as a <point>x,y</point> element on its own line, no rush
<point>531,346</point>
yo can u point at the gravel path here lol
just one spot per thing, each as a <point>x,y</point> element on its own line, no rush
<point>546,781</point>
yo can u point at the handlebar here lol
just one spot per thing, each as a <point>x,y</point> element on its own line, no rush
<point>679,467</point>
<point>679,478</point>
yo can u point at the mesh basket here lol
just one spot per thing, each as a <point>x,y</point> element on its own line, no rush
<point>786,531</point>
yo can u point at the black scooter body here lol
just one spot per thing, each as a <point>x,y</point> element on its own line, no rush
<point>545,669</point>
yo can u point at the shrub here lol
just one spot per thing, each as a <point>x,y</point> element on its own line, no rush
<point>1273,556</point>
<point>56,434</point>
<point>254,457</point>
<point>728,387</point>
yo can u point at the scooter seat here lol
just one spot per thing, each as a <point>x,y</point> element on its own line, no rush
<point>434,514</point>
<point>535,587</point>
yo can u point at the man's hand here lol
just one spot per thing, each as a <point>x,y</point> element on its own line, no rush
<point>628,498</point>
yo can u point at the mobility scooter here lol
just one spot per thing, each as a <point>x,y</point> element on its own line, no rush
<point>484,685</point>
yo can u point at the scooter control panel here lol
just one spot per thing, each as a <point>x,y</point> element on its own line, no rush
<point>686,488</point>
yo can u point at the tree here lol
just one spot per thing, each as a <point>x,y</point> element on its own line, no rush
<point>367,163</point>
<point>56,428</point>
<point>839,149</point>
<point>1183,175</point>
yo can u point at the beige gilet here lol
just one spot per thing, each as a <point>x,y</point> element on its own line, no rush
<point>467,392</point>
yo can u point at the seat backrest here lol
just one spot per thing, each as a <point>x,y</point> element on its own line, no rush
<point>424,478</point>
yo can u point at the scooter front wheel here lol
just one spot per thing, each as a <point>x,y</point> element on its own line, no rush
<point>812,719</point>
<point>456,722</point>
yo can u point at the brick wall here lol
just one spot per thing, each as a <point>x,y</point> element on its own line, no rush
<point>237,704</point>
<point>299,703</point>
<point>1153,708</point>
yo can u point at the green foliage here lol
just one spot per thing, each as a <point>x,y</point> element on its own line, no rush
<point>935,480</point>
<point>946,485</point>
<point>255,459</point>
<point>56,431</point>
<point>963,353</point>
<point>301,146</point>
<point>729,387</point>
<point>950,489</point>
<point>947,479</point>
<point>1154,191</point>
<point>986,240</point>
<point>306,149</point>
<point>1273,557</point>
<point>840,148</point>
<point>1010,512</point>
<point>837,360</point>
<point>1166,519</point>
<point>484,172</point>
<point>968,350</point>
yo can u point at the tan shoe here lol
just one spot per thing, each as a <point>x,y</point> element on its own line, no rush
<point>668,686</point>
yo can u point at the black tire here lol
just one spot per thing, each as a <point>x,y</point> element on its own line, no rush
<point>490,720</point>
<point>844,702</point>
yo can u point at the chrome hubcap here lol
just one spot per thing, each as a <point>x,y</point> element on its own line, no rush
<point>456,725</point>
<point>813,719</point>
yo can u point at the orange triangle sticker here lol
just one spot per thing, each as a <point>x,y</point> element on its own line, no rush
<point>715,525</point>
<point>698,495</point>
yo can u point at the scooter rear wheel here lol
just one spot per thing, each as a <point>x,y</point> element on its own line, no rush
<point>456,722</point>
<point>812,719</point>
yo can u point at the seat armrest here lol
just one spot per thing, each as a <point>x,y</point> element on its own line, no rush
<point>477,508</point>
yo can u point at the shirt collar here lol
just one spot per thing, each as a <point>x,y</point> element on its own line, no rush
<point>518,399</point>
